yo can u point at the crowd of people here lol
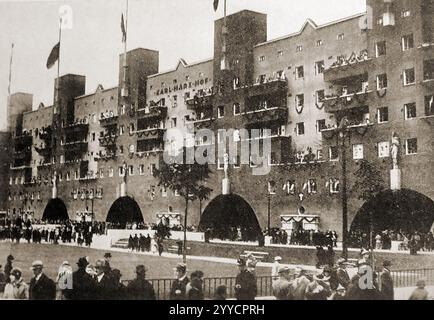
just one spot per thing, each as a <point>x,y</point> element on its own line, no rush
<point>79,232</point>
<point>146,244</point>
<point>335,283</point>
<point>304,237</point>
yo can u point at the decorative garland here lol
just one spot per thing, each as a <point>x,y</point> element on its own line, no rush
<point>318,106</point>
<point>381,95</point>
<point>297,109</point>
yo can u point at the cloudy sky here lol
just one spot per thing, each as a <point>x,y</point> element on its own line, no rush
<point>177,28</point>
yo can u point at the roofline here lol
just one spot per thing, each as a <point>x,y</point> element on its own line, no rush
<point>241,11</point>
<point>186,65</point>
<point>36,110</point>
<point>91,94</point>
<point>314,25</point>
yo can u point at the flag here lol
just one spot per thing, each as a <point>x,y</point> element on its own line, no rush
<point>10,70</point>
<point>216,5</point>
<point>124,32</point>
<point>54,56</point>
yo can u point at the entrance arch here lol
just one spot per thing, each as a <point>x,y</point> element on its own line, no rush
<point>124,210</point>
<point>225,214</point>
<point>55,211</point>
<point>405,210</point>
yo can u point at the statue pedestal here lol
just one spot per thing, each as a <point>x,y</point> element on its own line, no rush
<point>226,187</point>
<point>123,190</point>
<point>395,179</point>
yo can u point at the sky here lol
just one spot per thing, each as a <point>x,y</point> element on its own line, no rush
<point>176,28</point>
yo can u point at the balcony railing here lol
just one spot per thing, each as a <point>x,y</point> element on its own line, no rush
<point>200,100</point>
<point>266,115</point>
<point>152,112</point>
<point>348,101</point>
<point>150,134</point>
<point>266,87</point>
<point>355,66</point>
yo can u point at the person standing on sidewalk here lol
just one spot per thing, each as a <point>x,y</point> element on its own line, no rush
<point>245,283</point>
<point>281,286</point>
<point>275,268</point>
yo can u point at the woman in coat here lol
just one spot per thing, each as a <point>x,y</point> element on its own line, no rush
<point>16,288</point>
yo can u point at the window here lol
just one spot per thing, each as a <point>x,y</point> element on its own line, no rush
<point>237,109</point>
<point>220,163</point>
<point>380,49</point>
<point>93,136</point>
<point>121,171</point>
<point>152,168</point>
<point>131,170</point>
<point>407,42</point>
<point>221,111</point>
<point>312,187</point>
<point>121,149</point>
<point>164,192</point>
<point>411,146</point>
<point>280,53</point>
<point>173,122</point>
<point>341,36</point>
<point>237,162</point>
<point>236,135</point>
<point>299,72</point>
<point>319,43</point>
<point>382,81</point>
<point>176,193</point>
<point>380,21</point>
<point>299,48</point>
<point>271,187</point>
<point>299,100</point>
<point>333,153</point>
<point>320,96</point>
<point>110,172</point>
<point>280,74</point>
<point>132,128</point>
<point>320,125</point>
<point>101,173</point>
<point>384,149</point>
<point>262,58</point>
<point>68,176</point>
<point>123,109</point>
<point>357,151</point>
<point>383,114</point>
<point>319,154</point>
<point>429,105</point>
<point>300,128</point>
<point>142,169</point>
<point>410,111</point>
<point>334,185</point>
<point>409,77</point>
<point>76,175</point>
<point>405,14</point>
<point>175,81</point>
<point>236,83</point>
<point>319,67</point>
<point>261,78</point>
<point>121,130</point>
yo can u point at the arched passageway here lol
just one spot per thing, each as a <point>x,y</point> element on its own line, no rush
<point>230,217</point>
<point>55,211</point>
<point>124,210</point>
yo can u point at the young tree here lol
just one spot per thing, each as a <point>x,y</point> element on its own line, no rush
<point>368,184</point>
<point>186,179</point>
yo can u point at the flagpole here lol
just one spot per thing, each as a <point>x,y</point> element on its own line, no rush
<point>125,46</point>
<point>225,30</point>
<point>57,107</point>
<point>9,87</point>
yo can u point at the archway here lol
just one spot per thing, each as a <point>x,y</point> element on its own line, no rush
<point>55,211</point>
<point>124,210</point>
<point>227,215</point>
<point>405,210</point>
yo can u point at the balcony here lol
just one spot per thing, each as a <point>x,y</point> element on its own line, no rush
<point>43,149</point>
<point>150,134</point>
<point>152,112</point>
<point>23,141</point>
<point>266,87</point>
<point>75,146</point>
<point>108,140</point>
<point>273,114</point>
<point>343,70</point>
<point>200,101</point>
<point>108,120</point>
<point>348,101</point>
<point>45,133</point>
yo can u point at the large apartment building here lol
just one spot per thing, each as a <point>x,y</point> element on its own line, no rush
<point>372,73</point>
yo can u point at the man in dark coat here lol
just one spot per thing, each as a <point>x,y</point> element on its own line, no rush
<point>83,284</point>
<point>178,290</point>
<point>386,282</point>
<point>245,283</point>
<point>194,289</point>
<point>41,287</point>
<point>342,273</point>
<point>360,290</point>
<point>140,288</point>
<point>105,286</point>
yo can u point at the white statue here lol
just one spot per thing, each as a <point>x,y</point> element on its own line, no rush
<point>226,164</point>
<point>394,150</point>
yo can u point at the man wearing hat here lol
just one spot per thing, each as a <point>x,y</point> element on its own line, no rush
<point>8,266</point>
<point>245,283</point>
<point>281,286</point>
<point>340,293</point>
<point>179,286</point>
<point>386,282</point>
<point>41,287</point>
<point>360,289</point>
<point>342,273</point>
<point>275,268</point>
<point>140,288</point>
<point>83,284</point>
<point>105,286</point>
<point>299,285</point>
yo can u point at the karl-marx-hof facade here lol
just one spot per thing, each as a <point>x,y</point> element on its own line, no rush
<point>360,88</point>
